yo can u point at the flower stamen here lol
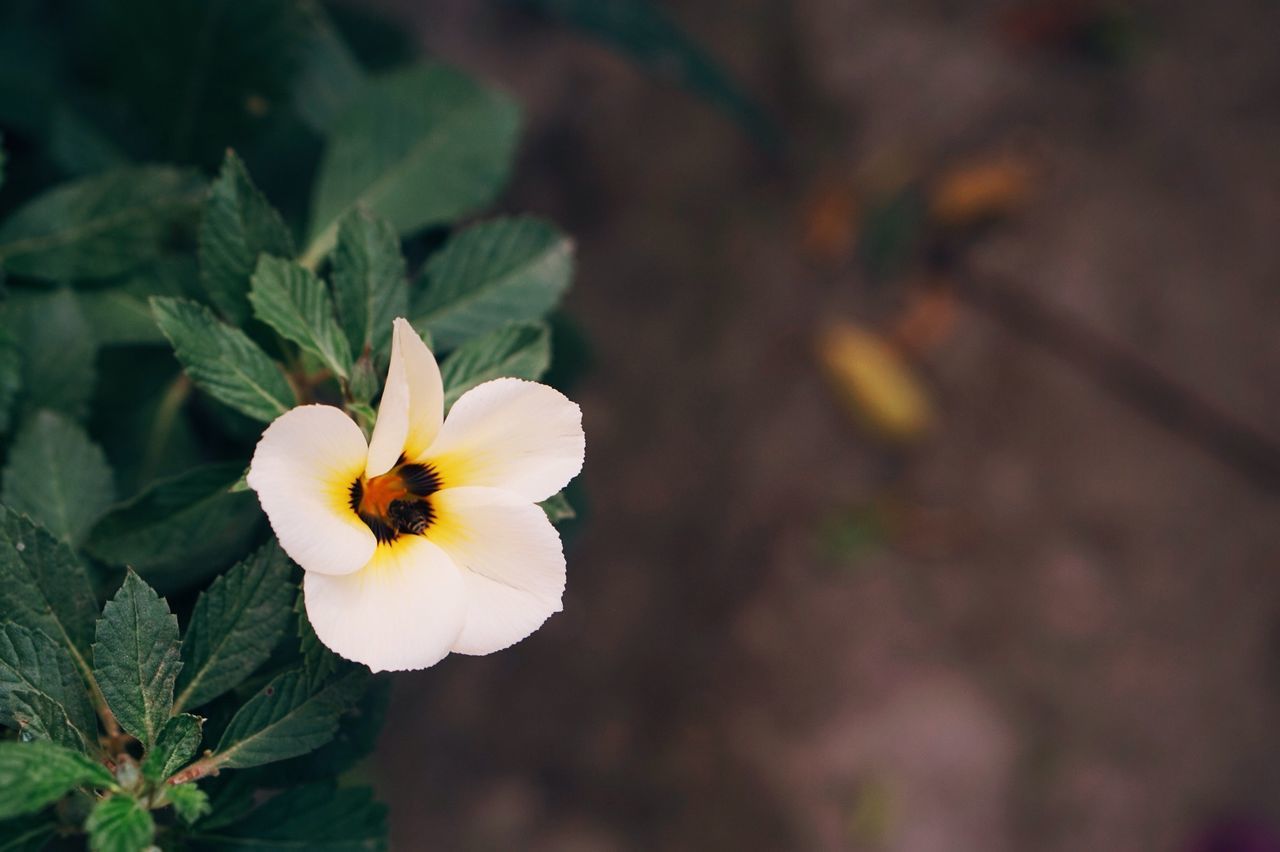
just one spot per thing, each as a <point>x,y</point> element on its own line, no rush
<point>395,503</point>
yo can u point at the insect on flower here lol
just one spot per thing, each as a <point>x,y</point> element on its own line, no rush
<point>427,539</point>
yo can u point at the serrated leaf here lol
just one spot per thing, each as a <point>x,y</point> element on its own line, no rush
<point>239,225</point>
<point>136,658</point>
<point>180,530</point>
<point>490,275</point>
<point>419,147</point>
<point>57,476</point>
<point>357,735</point>
<point>369,284</point>
<point>39,717</point>
<point>521,351</point>
<point>98,227</point>
<point>315,816</point>
<point>44,586</point>
<point>57,349</point>
<point>290,716</point>
<point>317,661</point>
<point>236,623</point>
<point>189,802</point>
<point>121,314</point>
<point>296,303</point>
<point>36,774</point>
<point>32,664</point>
<point>175,746</point>
<point>120,824</point>
<point>223,361</point>
<point>558,508</point>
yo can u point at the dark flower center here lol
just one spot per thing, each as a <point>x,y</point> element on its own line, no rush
<point>395,503</point>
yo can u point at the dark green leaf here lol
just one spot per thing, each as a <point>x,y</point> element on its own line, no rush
<point>290,716</point>
<point>330,75</point>
<point>189,802</point>
<point>239,224</point>
<point>80,148</point>
<point>558,508</point>
<point>422,146</point>
<point>296,303</point>
<point>492,274</point>
<point>641,30</point>
<point>315,816</point>
<point>120,824</point>
<point>36,774</point>
<point>175,746</point>
<point>369,282</point>
<point>357,735</point>
<point>521,351</point>
<point>236,623</point>
<point>121,314</point>
<point>10,377</point>
<point>223,361</point>
<point>57,349</point>
<point>40,718</point>
<point>32,664</point>
<point>57,476</point>
<point>44,587</point>
<point>180,530</point>
<point>98,227</point>
<point>318,661</point>
<point>136,658</point>
<point>27,833</point>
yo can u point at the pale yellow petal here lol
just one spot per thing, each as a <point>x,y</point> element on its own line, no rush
<point>302,470</point>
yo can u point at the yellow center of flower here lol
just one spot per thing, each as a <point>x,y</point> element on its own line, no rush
<point>397,502</point>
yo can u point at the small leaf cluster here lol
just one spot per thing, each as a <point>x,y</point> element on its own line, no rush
<point>210,213</point>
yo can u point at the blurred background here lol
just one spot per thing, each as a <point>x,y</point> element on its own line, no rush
<point>931,439</point>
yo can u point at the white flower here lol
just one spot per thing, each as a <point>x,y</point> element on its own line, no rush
<point>427,539</point>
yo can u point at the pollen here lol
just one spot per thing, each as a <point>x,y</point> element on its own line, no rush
<point>396,503</point>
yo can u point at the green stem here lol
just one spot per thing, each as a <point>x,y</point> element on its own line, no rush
<point>319,247</point>
<point>166,415</point>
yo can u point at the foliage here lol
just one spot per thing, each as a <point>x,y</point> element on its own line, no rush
<point>201,223</point>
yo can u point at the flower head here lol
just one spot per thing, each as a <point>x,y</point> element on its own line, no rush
<point>427,539</point>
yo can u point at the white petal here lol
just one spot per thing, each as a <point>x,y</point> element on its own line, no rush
<point>302,470</point>
<point>511,434</point>
<point>412,405</point>
<point>511,559</point>
<point>404,610</point>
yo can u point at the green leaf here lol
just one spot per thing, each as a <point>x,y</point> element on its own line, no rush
<point>421,146</point>
<point>136,659</point>
<point>175,746</point>
<point>180,530</point>
<point>57,476</point>
<point>10,377</point>
<point>41,686</point>
<point>189,802</point>
<point>44,587</point>
<point>642,31</point>
<point>236,623</point>
<point>57,349</point>
<point>295,302</point>
<point>290,716</point>
<point>315,816</point>
<point>223,361</point>
<point>492,274</point>
<point>369,283</point>
<point>122,314</point>
<point>558,508</point>
<point>521,351</point>
<point>33,775</point>
<point>98,227</point>
<point>357,735</point>
<point>317,660</point>
<point>27,833</point>
<point>239,225</point>
<point>120,824</point>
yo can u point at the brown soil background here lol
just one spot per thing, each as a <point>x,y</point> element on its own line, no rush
<point>1069,641</point>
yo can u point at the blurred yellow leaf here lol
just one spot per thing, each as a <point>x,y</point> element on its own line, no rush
<point>981,190</point>
<point>877,387</point>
